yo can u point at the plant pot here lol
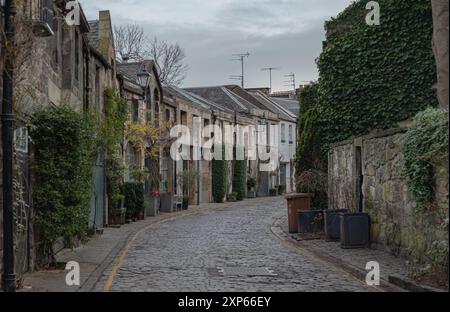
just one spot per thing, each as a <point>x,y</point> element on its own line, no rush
<point>117,216</point>
<point>141,216</point>
<point>185,205</point>
<point>153,207</point>
<point>167,203</point>
<point>251,194</point>
<point>332,220</point>
<point>310,221</point>
<point>273,192</point>
<point>281,189</point>
<point>355,230</point>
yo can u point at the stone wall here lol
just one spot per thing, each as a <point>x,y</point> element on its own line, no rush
<point>396,225</point>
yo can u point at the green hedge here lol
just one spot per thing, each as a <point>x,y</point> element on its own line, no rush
<point>239,174</point>
<point>64,157</point>
<point>219,178</point>
<point>372,77</point>
<point>134,199</point>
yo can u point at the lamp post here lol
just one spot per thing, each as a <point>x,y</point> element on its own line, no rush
<point>143,79</point>
<point>7,117</point>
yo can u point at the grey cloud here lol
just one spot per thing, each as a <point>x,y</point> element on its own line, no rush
<point>281,33</point>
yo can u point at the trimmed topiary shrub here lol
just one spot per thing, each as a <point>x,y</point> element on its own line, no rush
<point>134,199</point>
<point>239,174</point>
<point>219,178</point>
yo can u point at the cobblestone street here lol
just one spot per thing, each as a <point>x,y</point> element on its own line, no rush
<point>187,254</point>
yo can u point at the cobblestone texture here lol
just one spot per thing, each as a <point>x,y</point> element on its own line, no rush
<point>184,254</point>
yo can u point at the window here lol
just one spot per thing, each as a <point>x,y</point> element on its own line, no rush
<point>167,114</point>
<point>21,139</point>
<point>135,110</point>
<point>291,135</point>
<point>283,133</point>
<point>97,86</point>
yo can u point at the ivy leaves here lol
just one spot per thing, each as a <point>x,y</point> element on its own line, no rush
<point>372,77</point>
<point>426,146</point>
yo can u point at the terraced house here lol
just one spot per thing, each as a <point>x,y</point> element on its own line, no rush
<point>58,65</point>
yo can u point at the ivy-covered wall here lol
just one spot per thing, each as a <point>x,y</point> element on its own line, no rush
<point>372,77</point>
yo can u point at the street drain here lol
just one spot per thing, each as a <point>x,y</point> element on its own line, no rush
<point>246,271</point>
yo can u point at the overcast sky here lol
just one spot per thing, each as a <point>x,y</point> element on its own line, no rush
<point>278,33</point>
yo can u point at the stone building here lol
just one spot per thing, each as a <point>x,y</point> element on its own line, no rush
<point>247,111</point>
<point>140,85</point>
<point>101,72</point>
<point>50,69</point>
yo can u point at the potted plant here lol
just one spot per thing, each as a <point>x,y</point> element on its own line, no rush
<point>188,180</point>
<point>117,212</point>
<point>251,184</point>
<point>186,201</point>
<point>310,221</point>
<point>233,197</point>
<point>167,202</point>
<point>273,192</point>
<point>281,189</point>
<point>154,204</point>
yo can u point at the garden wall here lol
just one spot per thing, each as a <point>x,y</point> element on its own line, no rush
<point>396,225</point>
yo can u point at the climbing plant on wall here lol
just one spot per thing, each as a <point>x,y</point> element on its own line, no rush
<point>112,132</point>
<point>372,77</point>
<point>64,157</point>
<point>308,97</point>
<point>426,148</point>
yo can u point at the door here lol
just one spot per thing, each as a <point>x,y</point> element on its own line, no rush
<point>359,179</point>
<point>97,214</point>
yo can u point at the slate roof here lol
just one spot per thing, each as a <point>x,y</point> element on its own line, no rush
<point>130,70</point>
<point>273,106</point>
<point>92,36</point>
<point>292,105</point>
<point>224,97</point>
<point>246,96</point>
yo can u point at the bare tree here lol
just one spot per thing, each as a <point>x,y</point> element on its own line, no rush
<point>170,61</point>
<point>131,42</point>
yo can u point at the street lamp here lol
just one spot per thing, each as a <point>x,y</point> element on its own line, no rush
<point>7,118</point>
<point>143,77</point>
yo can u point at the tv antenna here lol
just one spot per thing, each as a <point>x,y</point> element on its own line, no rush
<point>291,82</point>
<point>270,69</point>
<point>240,58</point>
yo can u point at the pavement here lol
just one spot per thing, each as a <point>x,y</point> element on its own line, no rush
<point>231,247</point>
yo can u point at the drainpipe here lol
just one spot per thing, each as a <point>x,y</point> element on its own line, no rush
<point>7,117</point>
